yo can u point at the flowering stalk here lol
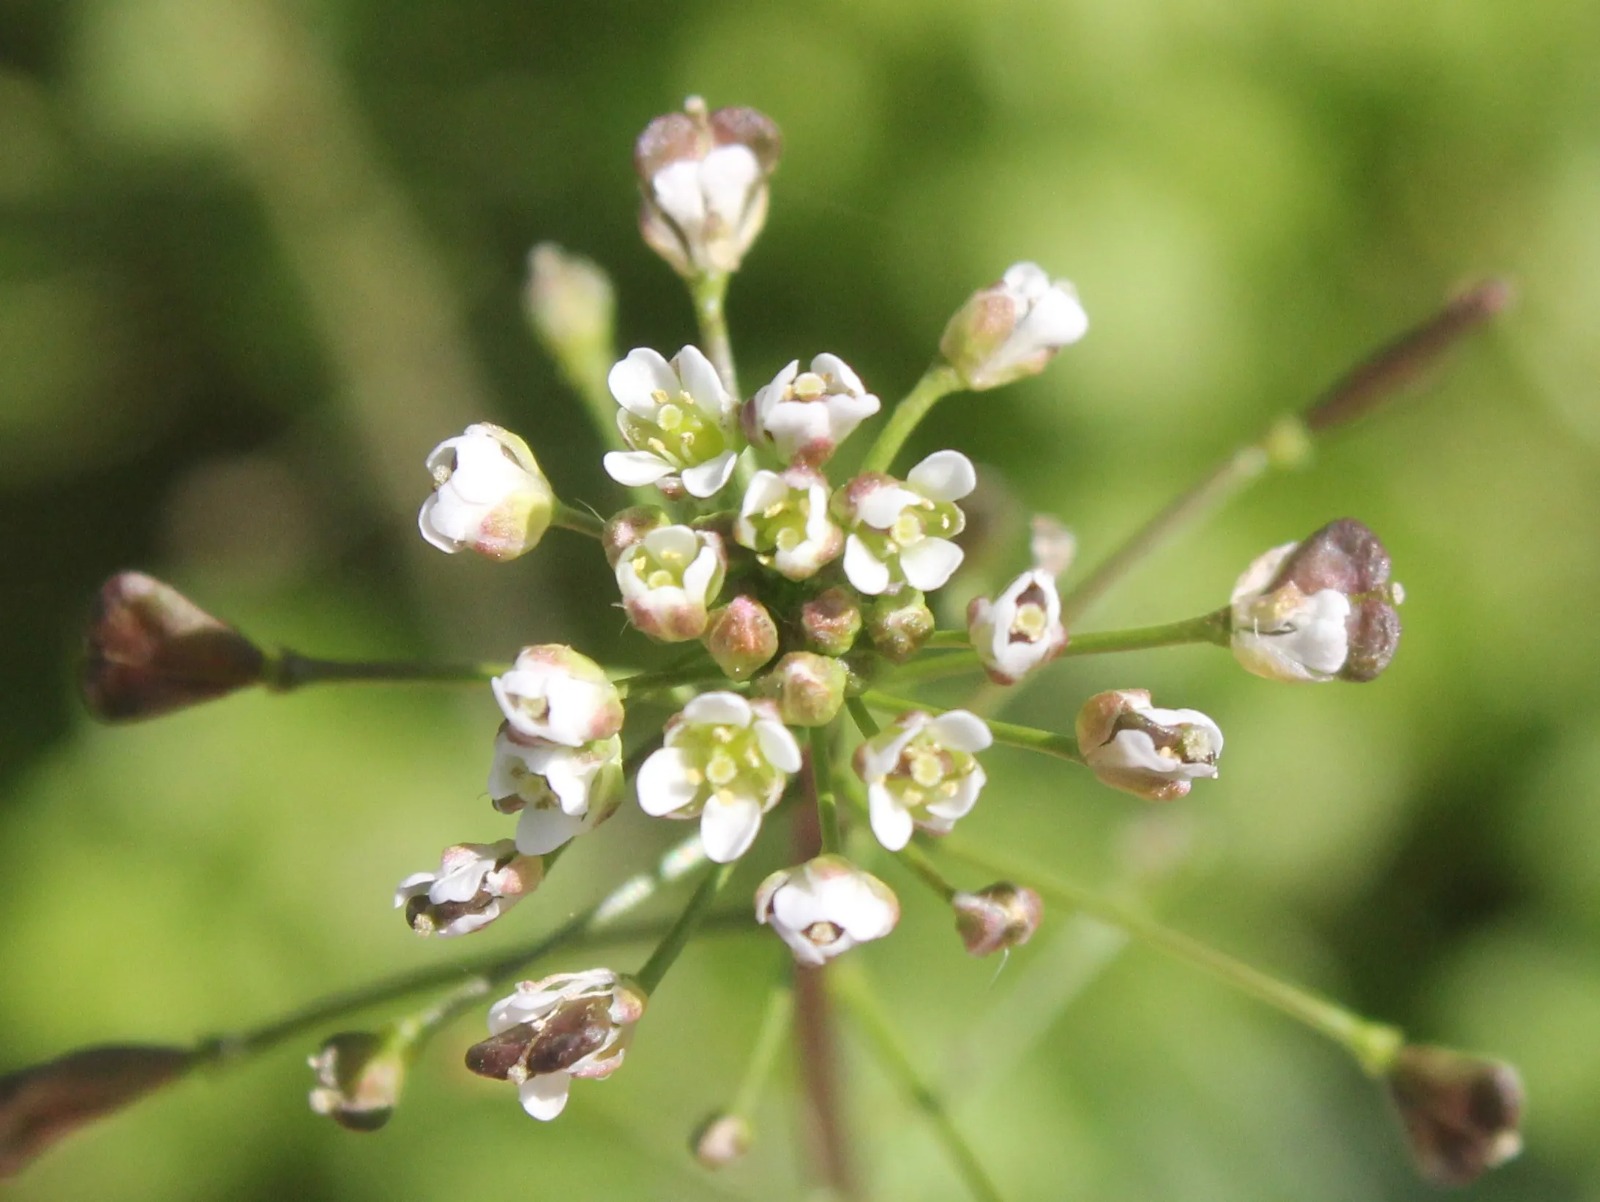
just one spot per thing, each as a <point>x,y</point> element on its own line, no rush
<point>1373,1045</point>
<point>683,930</point>
<point>708,292</point>
<point>822,786</point>
<point>1029,738</point>
<point>287,670</point>
<point>915,858</point>
<point>938,382</point>
<point>579,521</point>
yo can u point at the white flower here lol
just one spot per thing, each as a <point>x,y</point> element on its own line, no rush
<point>724,760</point>
<point>922,771</point>
<point>475,884</point>
<point>562,792</point>
<point>804,416</point>
<point>1013,328</point>
<point>784,519</point>
<point>900,533</point>
<point>572,1024</point>
<point>825,907</point>
<point>489,495</point>
<point>1020,629</point>
<point>553,693</point>
<point>668,580</point>
<point>676,417</point>
<point>1144,750</point>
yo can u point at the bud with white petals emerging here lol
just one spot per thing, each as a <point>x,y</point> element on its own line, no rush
<point>1150,752</point>
<point>1020,629</point>
<point>997,917</point>
<point>677,417</point>
<point>1461,1113</point>
<point>922,771</point>
<point>804,416</point>
<point>704,179</point>
<point>808,688</point>
<point>720,1140</point>
<point>899,533</point>
<point>831,621</point>
<point>668,580</point>
<point>489,495</point>
<point>899,624</point>
<point>1320,609</point>
<point>572,306</point>
<point>561,792</point>
<point>359,1077</point>
<point>572,1024</point>
<point>825,907</point>
<point>476,884</point>
<point>627,527</point>
<point>554,693</point>
<point>741,637</point>
<point>785,519</point>
<point>1012,328</point>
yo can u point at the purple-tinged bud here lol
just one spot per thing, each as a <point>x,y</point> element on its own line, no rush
<point>899,624</point>
<point>704,179</point>
<point>1150,752</point>
<point>150,650</point>
<point>628,527</point>
<point>831,621</point>
<point>808,688</point>
<point>1012,328</point>
<point>721,1140</point>
<point>741,637</point>
<point>1320,609</point>
<point>999,916</point>
<point>359,1077</point>
<point>47,1102</point>
<point>1461,1113</point>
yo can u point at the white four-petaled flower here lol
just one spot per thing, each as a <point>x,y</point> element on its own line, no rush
<point>900,532</point>
<point>825,907</point>
<point>562,792</point>
<point>1285,634</point>
<point>784,519</point>
<point>1020,629</point>
<point>804,416</point>
<point>922,772</point>
<point>489,495</point>
<point>475,884</point>
<point>676,417</point>
<point>668,580</point>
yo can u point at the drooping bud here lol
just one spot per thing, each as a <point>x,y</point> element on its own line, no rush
<point>922,771</point>
<point>668,580</point>
<point>741,637</point>
<point>1320,609</point>
<point>572,306</point>
<point>804,416</point>
<point>999,916</point>
<point>786,521</point>
<point>825,907</point>
<point>899,624</point>
<point>899,533</point>
<point>721,1140</point>
<point>47,1102</point>
<point>1012,328</point>
<point>574,1024</point>
<point>704,179</point>
<point>557,694</point>
<point>561,792</point>
<point>1461,1113</point>
<point>831,621</point>
<point>149,650</point>
<point>359,1077</point>
<point>476,884</point>
<point>489,495</point>
<point>808,688</point>
<point>627,527</point>
<point>1149,752</point>
<point>677,417</point>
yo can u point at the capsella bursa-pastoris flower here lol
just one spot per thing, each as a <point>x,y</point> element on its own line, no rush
<point>798,599</point>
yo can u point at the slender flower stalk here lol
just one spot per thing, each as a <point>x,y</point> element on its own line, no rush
<point>776,1020</point>
<point>823,787</point>
<point>683,930</point>
<point>709,292</point>
<point>1029,738</point>
<point>289,670</point>
<point>938,382</point>
<point>579,521</point>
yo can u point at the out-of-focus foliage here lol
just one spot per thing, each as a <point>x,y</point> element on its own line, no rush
<point>257,256</point>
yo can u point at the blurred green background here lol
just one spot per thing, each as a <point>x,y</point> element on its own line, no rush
<point>258,256</point>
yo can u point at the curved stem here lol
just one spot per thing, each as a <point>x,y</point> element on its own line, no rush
<point>822,787</point>
<point>580,521</point>
<point>916,859</point>
<point>937,382</point>
<point>1029,738</point>
<point>676,939</point>
<point>708,292</point>
<point>286,670</point>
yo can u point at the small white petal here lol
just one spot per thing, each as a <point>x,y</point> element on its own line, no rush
<point>634,380</point>
<point>863,569</point>
<point>703,384</point>
<point>727,175</point>
<point>728,828</point>
<point>542,830</point>
<point>706,479</point>
<point>961,730</point>
<point>944,476</point>
<point>778,745</point>
<point>635,469</point>
<point>929,564</point>
<point>883,505</point>
<point>890,822</point>
<point>718,709</point>
<point>545,1096</point>
<point>663,783</point>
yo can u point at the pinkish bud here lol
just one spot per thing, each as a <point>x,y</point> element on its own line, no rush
<point>629,526</point>
<point>150,650</point>
<point>831,621</point>
<point>997,917</point>
<point>721,1140</point>
<point>741,637</point>
<point>1012,328</point>
<point>1461,1113</point>
<point>899,624</point>
<point>809,689</point>
<point>1144,750</point>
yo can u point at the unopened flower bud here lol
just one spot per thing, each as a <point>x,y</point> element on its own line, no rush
<point>1461,1113</point>
<point>489,495</point>
<point>1320,609</point>
<point>668,580</point>
<point>1000,916</point>
<point>721,1140</point>
<point>628,527</point>
<point>900,624</point>
<point>831,621</point>
<point>741,637</point>
<point>1012,328</point>
<point>825,907</point>
<point>554,693</point>
<point>804,416</point>
<point>808,688</point>
<point>704,179</point>
<point>359,1077</point>
<point>150,650</point>
<point>46,1102</point>
<point>476,884</point>
<point>1141,749</point>
<point>572,306</point>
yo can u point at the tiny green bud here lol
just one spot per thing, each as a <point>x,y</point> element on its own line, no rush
<point>572,306</point>
<point>831,621</point>
<point>899,624</point>
<point>741,637</point>
<point>808,688</point>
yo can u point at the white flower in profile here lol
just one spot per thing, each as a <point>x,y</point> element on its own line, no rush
<point>784,519</point>
<point>572,1024</point>
<point>825,907</point>
<point>551,692</point>
<point>562,792</point>
<point>489,495</point>
<point>668,580</point>
<point>1012,328</point>
<point>900,532</point>
<point>725,761</point>
<point>1142,749</point>
<point>475,884</point>
<point>1020,629</point>
<point>922,772</point>
<point>676,416</point>
<point>804,416</point>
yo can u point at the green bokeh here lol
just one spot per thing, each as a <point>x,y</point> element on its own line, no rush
<point>257,256</point>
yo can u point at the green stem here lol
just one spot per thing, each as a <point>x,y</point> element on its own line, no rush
<point>822,785</point>
<point>708,292</point>
<point>775,1020</point>
<point>1373,1045</point>
<point>939,381</point>
<point>1029,738</point>
<point>684,928</point>
<point>579,520</point>
<point>914,858</point>
<point>287,670</point>
<point>1213,627</point>
<point>861,716</point>
<point>944,639</point>
<point>852,990</point>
